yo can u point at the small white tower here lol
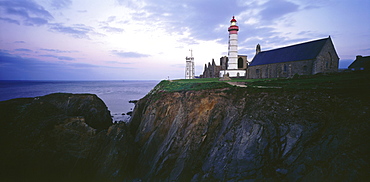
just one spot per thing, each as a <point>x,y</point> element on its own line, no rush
<point>190,72</point>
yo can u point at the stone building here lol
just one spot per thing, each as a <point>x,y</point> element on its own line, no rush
<point>214,71</point>
<point>361,63</point>
<point>318,56</point>
<point>242,62</point>
<point>211,71</point>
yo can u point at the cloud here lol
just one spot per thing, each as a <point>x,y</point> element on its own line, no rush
<point>116,62</point>
<point>23,50</point>
<point>59,57</point>
<point>208,19</point>
<point>10,20</point>
<point>276,9</point>
<point>112,29</point>
<point>200,19</point>
<point>111,19</point>
<point>367,49</point>
<point>129,54</point>
<point>31,13</point>
<point>76,30</point>
<point>13,67</point>
<point>58,51</point>
<point>35,21</point>
<point>59,4</point>
<point>19,42</point>
<point>137,4</point>
<point>106,27</point>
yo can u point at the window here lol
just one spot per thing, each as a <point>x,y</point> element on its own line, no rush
<point>304,68</point>
<point>240,63</point>
<point>284,68</point>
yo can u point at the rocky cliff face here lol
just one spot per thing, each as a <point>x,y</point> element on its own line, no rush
<point>230,134</point>
<point>241,134</point>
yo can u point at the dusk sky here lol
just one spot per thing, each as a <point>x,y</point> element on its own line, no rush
<point>149,39</point>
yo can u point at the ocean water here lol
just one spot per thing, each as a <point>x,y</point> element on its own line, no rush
<point>115,94</point>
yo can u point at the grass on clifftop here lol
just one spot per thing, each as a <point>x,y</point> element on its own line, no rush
<point>351,80</point>
<point>195,84</point>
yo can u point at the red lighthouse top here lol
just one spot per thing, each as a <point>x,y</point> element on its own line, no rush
<point>233,29</point>
<point>233,20</point>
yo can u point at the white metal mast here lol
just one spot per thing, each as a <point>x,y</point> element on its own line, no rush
<point>190,72</point>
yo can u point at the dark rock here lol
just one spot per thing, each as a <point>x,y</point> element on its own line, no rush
<point>248,134</point>
<point>51,138</point>
<point>133,101</point>
<point>233,134</point>
<point>129,113</point>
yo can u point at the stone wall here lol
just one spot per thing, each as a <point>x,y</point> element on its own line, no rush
<point>278,70</point>
<point>326,62</point>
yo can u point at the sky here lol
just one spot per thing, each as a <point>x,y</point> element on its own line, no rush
<point>150,39</point>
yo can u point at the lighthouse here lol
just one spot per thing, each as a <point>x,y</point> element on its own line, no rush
<point>233,69</point>
<point>233,45</point>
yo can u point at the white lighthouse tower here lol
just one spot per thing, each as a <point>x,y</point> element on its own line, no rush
<point>190,72</point>
<point>232,67</point>
<point>233,44</point>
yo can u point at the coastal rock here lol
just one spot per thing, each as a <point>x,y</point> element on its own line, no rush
<point>51,138</point>
<point>229,134</point>
<point>252,135</point>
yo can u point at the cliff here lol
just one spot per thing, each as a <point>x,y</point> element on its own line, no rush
<point>194,132</point>
<point>246,134</point>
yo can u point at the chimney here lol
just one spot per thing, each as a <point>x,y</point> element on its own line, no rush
<point>258,49</point>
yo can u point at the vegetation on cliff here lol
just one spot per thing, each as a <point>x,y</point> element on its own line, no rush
<point>351,81</point>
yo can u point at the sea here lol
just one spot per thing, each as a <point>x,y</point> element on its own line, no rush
<point>115,94</point>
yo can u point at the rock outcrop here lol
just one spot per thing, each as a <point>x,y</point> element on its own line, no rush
<point>51,138</point>
<point>240,134</point>
<point>229,134</point>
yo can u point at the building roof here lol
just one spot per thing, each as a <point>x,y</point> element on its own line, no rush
<point>298,52</point>
<point>361,62</point>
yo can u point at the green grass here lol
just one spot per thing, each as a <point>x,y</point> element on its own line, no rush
<point>206,80</point>
<point>175,86</point>
<point>352,80</point>
<point>319,81</point>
